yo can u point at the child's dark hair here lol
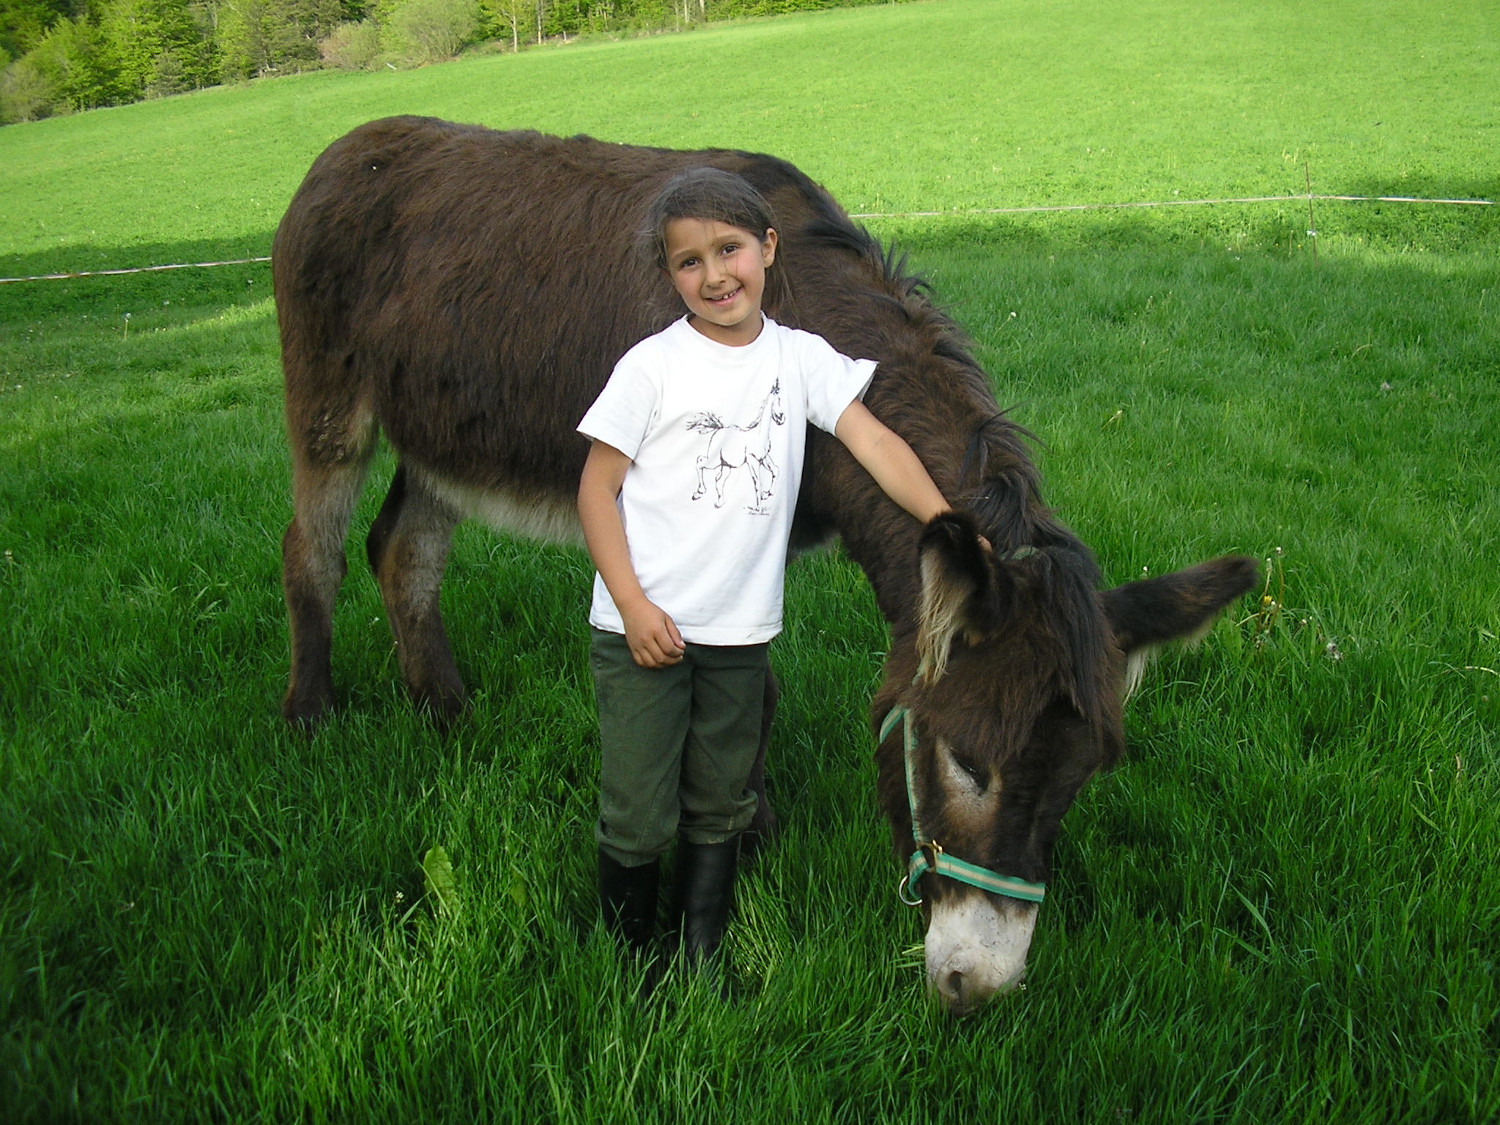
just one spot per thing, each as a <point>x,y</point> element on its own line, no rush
<point>704,193</point>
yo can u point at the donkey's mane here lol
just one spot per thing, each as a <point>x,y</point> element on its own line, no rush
<point>1005,493</point>
<point>832,228</point>
<point>998,482</point>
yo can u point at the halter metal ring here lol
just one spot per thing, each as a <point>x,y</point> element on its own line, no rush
<point>903,888</point>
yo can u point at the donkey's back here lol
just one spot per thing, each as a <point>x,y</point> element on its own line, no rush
<point>465,289</point>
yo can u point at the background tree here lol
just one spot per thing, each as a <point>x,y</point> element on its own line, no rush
<point>25,93</point>
<point>353,45</point>
<point>507,19</point>
<point>257,37</point>
<point>566,17</point>
<point>70,69</point>
<point>158,46</point>
<point>426,31</point>
<point>25,23</point>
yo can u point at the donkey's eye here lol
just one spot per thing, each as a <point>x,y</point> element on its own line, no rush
<point>978,776</point>
<point>963,771</point>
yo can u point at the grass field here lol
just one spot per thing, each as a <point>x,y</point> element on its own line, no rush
<point>1284,905</point>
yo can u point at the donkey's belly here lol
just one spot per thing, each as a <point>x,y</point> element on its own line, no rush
<point>551,518</point>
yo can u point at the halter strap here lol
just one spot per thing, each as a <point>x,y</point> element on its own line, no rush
<point>940,862</point>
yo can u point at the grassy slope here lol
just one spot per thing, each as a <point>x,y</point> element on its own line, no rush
<point>1278,910</point>
<point>920,107</point>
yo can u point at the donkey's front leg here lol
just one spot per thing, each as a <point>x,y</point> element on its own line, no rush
<point>408,551</point>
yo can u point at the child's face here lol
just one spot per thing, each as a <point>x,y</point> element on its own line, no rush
<point>720,272</point>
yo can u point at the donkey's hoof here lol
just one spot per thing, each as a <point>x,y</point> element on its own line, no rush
<point>305,713</point>
<point>445,705</point>
<point>761,834</point>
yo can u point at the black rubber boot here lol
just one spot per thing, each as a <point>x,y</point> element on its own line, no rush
<point>627,897</point>
<point>703,895</point>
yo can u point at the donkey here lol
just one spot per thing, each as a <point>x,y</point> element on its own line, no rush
<point>467,292</point>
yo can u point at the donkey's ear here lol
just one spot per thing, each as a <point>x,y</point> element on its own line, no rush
<point>964,594</point>
<point>1177,606</point>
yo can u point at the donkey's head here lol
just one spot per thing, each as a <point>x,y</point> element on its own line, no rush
<point>1005,700</point>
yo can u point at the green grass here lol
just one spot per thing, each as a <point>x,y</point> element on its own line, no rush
<point>929,106</point>
<point>1281,908</point>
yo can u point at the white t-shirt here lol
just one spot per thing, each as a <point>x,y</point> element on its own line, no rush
<point>715,435</point>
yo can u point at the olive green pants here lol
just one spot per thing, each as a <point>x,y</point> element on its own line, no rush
<point>676,745</point>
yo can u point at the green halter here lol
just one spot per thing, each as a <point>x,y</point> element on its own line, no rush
<point>940,861</point>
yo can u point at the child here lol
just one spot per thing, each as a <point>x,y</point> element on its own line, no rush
<point>686,502</point>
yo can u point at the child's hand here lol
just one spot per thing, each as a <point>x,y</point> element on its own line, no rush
<point>652,636</point>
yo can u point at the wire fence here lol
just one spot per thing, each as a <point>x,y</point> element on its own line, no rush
<point>1060,207</point>
<point>1040,209</point>
<point>134,269</point>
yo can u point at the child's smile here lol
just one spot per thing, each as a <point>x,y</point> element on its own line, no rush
<point>719,271</point>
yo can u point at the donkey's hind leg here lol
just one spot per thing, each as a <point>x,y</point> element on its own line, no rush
<point>764,828</point>
<point>312,568</point>
<point>408,551</point>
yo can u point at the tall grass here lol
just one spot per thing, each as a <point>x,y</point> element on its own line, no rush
<point>1282,907</point>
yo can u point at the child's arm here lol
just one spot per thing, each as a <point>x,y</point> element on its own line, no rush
<point>652,635</point>
<point>887,458</point>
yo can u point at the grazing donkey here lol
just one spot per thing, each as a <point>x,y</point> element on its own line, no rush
<point>467,293</point>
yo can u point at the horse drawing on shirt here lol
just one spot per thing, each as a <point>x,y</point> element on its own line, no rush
<point>740,447</point>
